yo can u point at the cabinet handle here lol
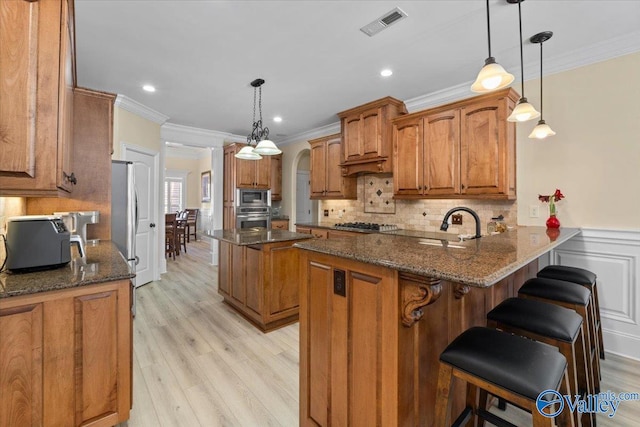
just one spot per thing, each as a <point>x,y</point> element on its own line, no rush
<point>462,186</point>
<point>70,178</point>
<point>419,187</point>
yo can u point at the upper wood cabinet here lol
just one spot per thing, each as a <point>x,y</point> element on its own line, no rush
<point>253,173</point>
<point>327,181</point>
<point>462,150</point>
<point>276,177</point>
<point>366,136</point>
<point>229,188</point>
<point>37,77</point>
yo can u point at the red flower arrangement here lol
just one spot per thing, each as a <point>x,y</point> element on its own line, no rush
<point>552,222</point>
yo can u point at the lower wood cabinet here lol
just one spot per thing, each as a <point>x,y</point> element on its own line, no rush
<point>66,357</point>
<point>280,224</point>
<point>326,233</point>
<point>260,282</point>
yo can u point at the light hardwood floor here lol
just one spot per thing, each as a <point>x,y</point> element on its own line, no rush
<point>198,363</point>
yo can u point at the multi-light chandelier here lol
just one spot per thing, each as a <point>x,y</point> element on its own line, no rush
<point>258,144</point>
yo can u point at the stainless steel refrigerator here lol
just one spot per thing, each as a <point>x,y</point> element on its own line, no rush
<point>124,213</point>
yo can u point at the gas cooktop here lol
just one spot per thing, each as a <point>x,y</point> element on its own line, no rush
<point>365,226</point>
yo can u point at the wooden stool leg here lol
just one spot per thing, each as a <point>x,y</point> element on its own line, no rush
<point>566,417</point>
<point>443,402</point>
<point>596,309</point>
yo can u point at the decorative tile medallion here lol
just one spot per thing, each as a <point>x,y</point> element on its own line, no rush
<point>378,195</point>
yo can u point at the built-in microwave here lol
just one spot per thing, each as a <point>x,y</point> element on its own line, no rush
<point>252,198</point>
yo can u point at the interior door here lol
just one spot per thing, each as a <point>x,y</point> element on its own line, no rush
<point>145,168</point>
<point>303,202</point>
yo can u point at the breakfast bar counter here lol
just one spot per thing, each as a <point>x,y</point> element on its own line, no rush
<point>376,311</point>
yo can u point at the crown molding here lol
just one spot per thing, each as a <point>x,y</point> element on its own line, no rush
<point>133,106</point>
<point>171,132</point>
<point>312,134</point>
<point>190,153</point>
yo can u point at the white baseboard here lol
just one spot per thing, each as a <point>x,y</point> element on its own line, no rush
<point>614,256</point>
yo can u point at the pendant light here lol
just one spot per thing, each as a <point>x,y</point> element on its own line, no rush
<point>492,76</point>
<point>258,134</point>
<point>542,130</point>
<point>523,111</point>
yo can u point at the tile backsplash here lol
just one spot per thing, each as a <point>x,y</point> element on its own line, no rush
<point>425,214</point>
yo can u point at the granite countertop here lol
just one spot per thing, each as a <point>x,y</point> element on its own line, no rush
<point>478,262</point>
<point>255,236</point>
<point>103,263</point>
<point>331,226</point>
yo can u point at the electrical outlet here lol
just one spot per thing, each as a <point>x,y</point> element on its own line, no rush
<point>326,212</point>
<point>534,211</point>
<point>340,211</point>
<point>456,219</point>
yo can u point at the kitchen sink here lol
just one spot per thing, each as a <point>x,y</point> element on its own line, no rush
<point>438,242</point>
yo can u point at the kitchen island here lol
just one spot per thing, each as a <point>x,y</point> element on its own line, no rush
<point>258,274</point>
<point>377,310</point>
<point>66,342</point>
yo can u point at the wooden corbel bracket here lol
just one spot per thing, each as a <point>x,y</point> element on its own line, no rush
<point>417,293</point>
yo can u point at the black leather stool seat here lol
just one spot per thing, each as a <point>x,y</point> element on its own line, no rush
<point>539,317</point>
<point>518,364</point>
<point>557,290</point>
<point>570,274</point>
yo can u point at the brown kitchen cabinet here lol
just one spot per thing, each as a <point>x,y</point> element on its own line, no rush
<point>366,136</point>
<point>229,188</point>
<point>327,181</point>
<point>325,233</point>
<point>280,224</point>
<point>253,173</point>
<point>461,150</point>
<point>260,282</point>
<point>72,369</point>
<point>36,125</point>
<point>276,177</point>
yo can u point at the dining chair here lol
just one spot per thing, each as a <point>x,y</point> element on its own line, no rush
<point>170,227</point>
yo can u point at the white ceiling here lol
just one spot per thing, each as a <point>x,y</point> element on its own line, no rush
<point>202,55</point>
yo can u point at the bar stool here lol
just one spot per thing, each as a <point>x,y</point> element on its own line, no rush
<point>575,297</point>
<point>508,366</point>
<point>582,277</point>
<point>553,325</point>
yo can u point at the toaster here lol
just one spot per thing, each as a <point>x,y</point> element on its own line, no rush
<point>37,242</point>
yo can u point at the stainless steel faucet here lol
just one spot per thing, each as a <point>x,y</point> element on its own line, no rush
<point>445,221</point>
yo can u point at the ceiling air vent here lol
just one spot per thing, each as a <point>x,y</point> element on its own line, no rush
<point>383,22</point>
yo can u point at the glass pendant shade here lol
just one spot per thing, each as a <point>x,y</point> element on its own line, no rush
<point>267,148</point>
<point>541,131</point>
<point>248,153</point>
<point>523,112</point>
<point>491,77</point>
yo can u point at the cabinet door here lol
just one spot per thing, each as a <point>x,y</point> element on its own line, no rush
<point>21,366</point>
<point>352,137</point>
<point>408,158</point>
<point>229,175</point>
<point>263,172</point>
<point>18,86</point>
<point>319,233</point>
<point>334,179</point>
<point>65,101</point>
<point>228,217</point>
<point>96,354</point>
<point>482,147</point>
<point>371,133</point>
<point>238,274</point>
<point>224,268</point>
<point>442,153</point>
<point>245,173</point>
<point>254,286</point>
<point>276,177</point>
<point>318,172</point>
<point>280,224</point>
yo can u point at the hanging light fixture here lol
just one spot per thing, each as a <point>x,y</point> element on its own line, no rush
<point>259,135</point>
<point>492,76</point>
<point>542,129</point>
<point>523,111</point>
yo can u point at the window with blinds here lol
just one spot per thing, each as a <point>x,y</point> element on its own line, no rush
<point>173,188</point>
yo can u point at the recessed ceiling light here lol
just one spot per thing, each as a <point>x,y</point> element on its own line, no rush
<point>386,72</point>
<point>148,88</point>
<point>277,119</point>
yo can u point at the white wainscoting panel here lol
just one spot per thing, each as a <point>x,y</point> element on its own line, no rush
<point>614,256</point>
